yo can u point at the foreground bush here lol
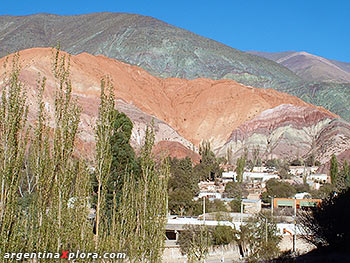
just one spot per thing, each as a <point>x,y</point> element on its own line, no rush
<point>328,225</point>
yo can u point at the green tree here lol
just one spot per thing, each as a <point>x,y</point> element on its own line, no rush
<point>301,188</point>
<point>222,235</point>
<point>215,206</point>
<point>258,239</point>
<point>235,190</point>
<point>143,208</point>
<point>324,191</point>
<point>256,160</point>
<point>66,121</point>
<point>123,158</point>
<point>13,141</point>
<point>278,189</point>
<point>240,164</point>
<point>48,204</point>
<point>296,162</point>
<point>235,205</point>
<point>346,172</point>
<point>182,187</point>
<point>334,169</point>
<point>103,159</point>
<point>208,168</point>
<point>195,242</point>
<point>343,178</point>
<point>327,225</point>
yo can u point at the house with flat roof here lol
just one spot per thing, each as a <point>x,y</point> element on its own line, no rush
<point>302,170</point>
<point>298,203</point>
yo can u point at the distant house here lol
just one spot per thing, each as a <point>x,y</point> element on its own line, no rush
<point>228,177</point>
<point>227,167</point>
<point>259,169</point>
<point>301,195</point>
<point>297,170</point>
<point>253,177</point>
<point>315,181</point>
<point>209,195</point>
<point>320,178</point>
<point>302,170</point>
<point>258,177</point>
<point>299,203</point>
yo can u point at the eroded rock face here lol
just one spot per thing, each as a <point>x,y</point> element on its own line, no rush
<point>163,132</point>
<point>334,139</point>
<point>287,131</point>
<point>185,111</point>
<point>175,150</point>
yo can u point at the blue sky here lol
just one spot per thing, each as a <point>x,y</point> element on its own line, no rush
<point>320,27</point>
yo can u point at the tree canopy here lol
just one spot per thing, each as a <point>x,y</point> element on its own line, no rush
<point>328,225</point>
<point>276,188</point>
<point>182,186</point>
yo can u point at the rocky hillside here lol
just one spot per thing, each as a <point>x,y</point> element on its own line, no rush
<point>309,66</point>
<point>287,131</point>
<point>164,51</point>
<point>185,111</point>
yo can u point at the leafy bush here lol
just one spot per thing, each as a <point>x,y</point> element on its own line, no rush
<point>194,242</point>
<point>328,225</point>
<point>222,235</point>
<point>235,190</point>
<point>258,240</point>
<point>278,189</point>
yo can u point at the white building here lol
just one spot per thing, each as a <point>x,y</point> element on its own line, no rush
<point>209,195</point>
<point>259,169</point>
<point>319,178</point>
<point>315,181</point>
<point>254,177</point>
<point>301,195</point>
<point>302,170</point>
<point>257,177</point>
<point>228,176</point>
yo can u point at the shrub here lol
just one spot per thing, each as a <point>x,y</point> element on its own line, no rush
<point>328,225</point>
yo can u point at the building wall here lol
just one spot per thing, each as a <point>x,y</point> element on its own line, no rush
<point>277,202</point>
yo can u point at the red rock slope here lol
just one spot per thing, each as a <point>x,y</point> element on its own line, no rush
<point>200,109</point>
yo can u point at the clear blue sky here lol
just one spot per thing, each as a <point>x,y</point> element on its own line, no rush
<point>321,27</point>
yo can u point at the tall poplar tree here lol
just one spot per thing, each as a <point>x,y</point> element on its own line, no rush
<point>143,208</point>
<point>334,169</point>
<point>104,132</point>
<point>13,143</point>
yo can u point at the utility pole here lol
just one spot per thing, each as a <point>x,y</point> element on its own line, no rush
<point>266,230</point>
<point>204,210</point>
<point>295,223</point>
<point>265,226</point>
<point>272,206</point>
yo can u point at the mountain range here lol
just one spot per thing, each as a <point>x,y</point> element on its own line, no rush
<point>164,51</point>
<point>228,114</point>
<point>195,88</point>
<point>310,67</point>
